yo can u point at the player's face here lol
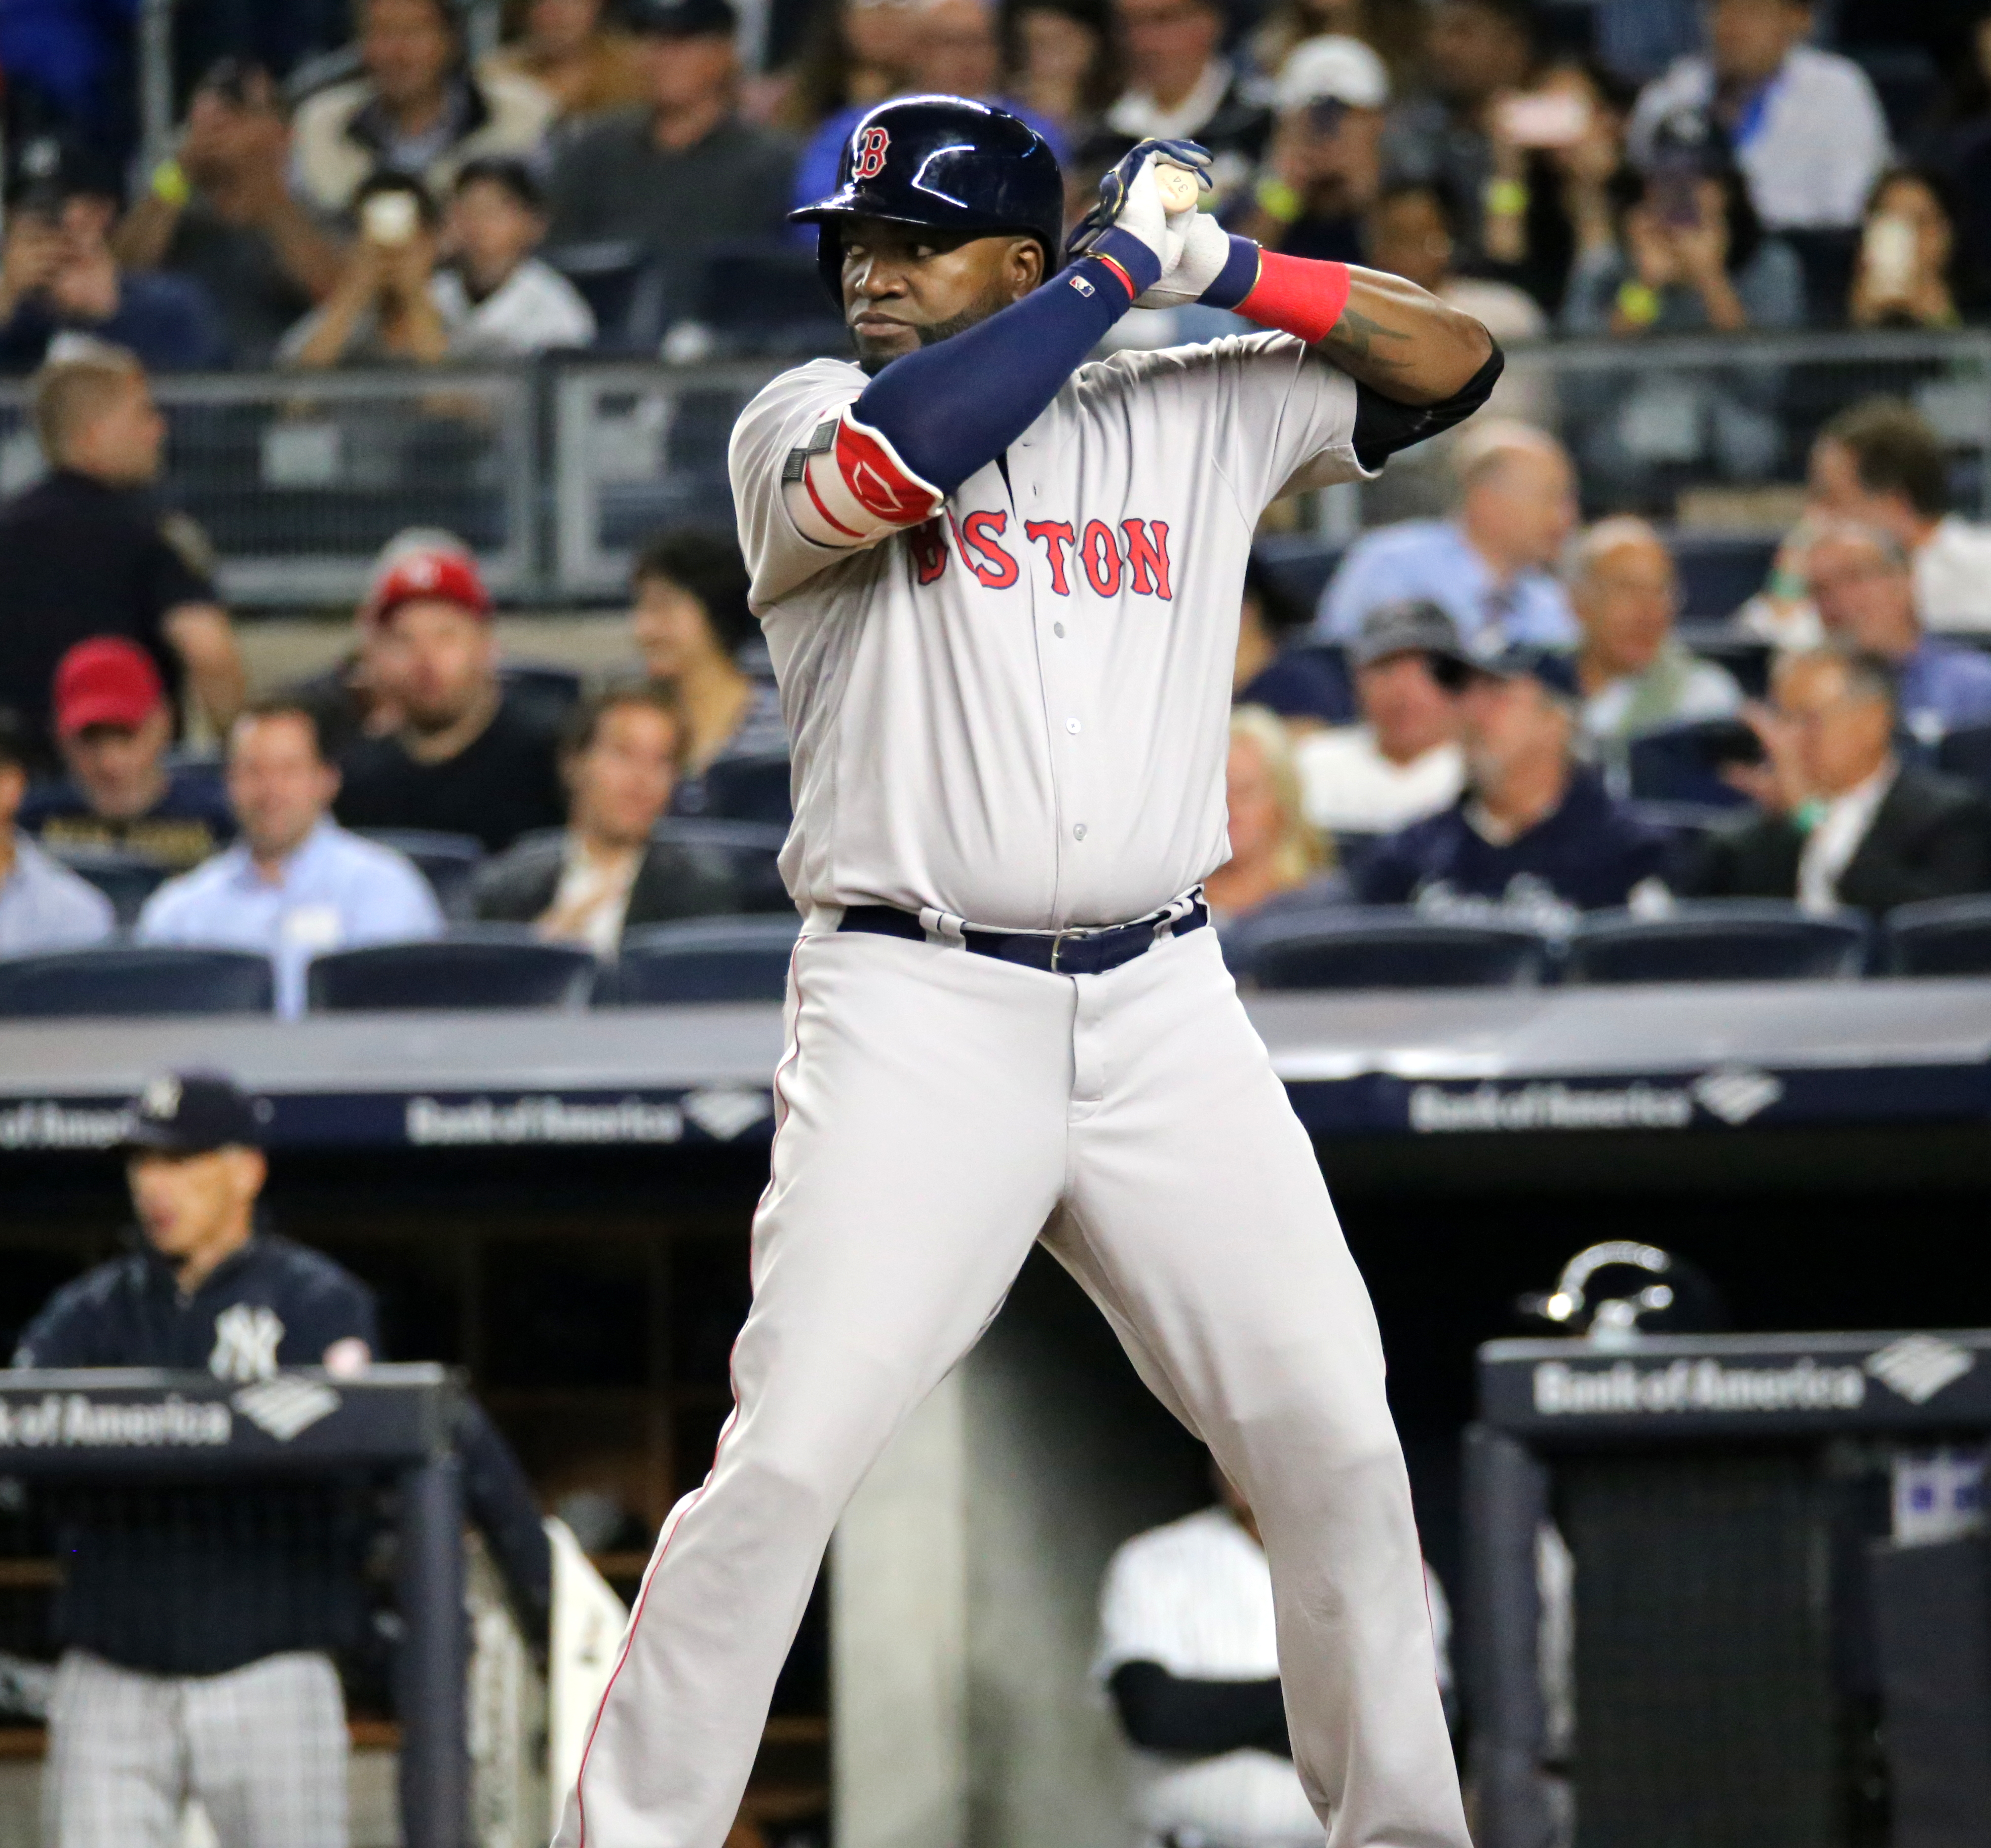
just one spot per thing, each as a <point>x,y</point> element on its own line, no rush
<point>905,287</point>
<point>185,1202</point>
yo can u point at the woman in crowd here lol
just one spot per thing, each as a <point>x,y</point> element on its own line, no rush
<point>690,623</point>
<point>565,47</point>
<point>1906,275</point>
<point>1061,60</point>
<point>858,53</point>
<point>1273,848</point>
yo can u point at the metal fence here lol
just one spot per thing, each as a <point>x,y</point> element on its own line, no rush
<point>555,472</point>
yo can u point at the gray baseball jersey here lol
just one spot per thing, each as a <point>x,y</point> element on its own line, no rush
<point>1015,712</point>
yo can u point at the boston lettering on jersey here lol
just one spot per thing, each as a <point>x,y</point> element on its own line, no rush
<point>1133,556</point>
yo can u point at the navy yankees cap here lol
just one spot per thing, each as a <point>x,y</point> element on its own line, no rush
<point>191,1112</point>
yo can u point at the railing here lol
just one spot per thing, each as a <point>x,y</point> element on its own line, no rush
<point>555,472</point>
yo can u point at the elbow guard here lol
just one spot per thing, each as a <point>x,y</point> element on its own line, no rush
<point>1382,426</point>
<point>846,487</point>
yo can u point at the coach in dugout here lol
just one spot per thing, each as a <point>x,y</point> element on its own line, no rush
<point>198,1621</point>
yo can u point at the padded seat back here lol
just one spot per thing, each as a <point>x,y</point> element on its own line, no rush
<point>1718,940</point>
<point>1385,948</point>
<point>708,959</point>
<point>476,966</point>
<point>132,980</point>
<point>448,861</point>
<point>1940,936</point>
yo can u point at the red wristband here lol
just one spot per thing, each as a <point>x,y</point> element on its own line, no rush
<point>1297,295</point>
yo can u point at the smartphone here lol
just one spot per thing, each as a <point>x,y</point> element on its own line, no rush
<point>389,219</point>
<point>1545,118</point>
<point>1889,248</point>
<point>1673,191</point>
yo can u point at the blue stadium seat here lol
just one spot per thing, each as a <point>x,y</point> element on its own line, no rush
<point>750,849</point>
<point>448,861</point>
<point>133,980</point>
<point>1966,753</point>
<point>126,880</point>
<point>749,789</point>
<point>1746,657</point>
<point>543,691</point>
<point>1717,940</point>
<point>707,959</point>
<point>1299,564</point>
<point>1719,572</point>
<point>475,966</point>
<point>1677,765</point>
<point>767,298</point>
<point>1385,948</point>
<point>609,273</point>
<point>1939,936</point>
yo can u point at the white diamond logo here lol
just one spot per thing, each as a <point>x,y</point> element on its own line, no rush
<point>724,1114</point>
<point>1919,1367</point>
<point>283,1406</point>
<point>1736,1093</point>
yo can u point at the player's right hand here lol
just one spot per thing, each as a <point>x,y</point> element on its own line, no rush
<point>1128,200</point>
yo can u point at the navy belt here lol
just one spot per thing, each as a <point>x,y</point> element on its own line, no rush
<point>1055,952</point>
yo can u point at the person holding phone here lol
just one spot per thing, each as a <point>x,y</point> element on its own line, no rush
<point>1908,255</point>
<point>1324,168</point>
<point>383,308</point>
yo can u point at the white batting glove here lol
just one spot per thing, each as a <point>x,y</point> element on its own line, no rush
<point>1206,249</point>
<point>1130,201</point>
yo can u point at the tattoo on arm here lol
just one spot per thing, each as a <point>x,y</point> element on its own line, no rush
<point>1355,336</point>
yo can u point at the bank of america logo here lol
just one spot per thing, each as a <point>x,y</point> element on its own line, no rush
<point>1919,1367</point>
<point>1736,1093</point>
<point>284,1407</point>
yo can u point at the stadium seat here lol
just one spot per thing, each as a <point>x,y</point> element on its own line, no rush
<point>129,980</point>
<point>126,880</point>
<point>475,966</point>
<point>1966,753</point>
<point>609,273</point>
<point>767,298</point>
<point>1717,940</point>
<point>1719,572</point>
<point>1299,565</point>
<point>749,849</point>
<point>1385,948</point>
<point>1939,936</point>
<point>706,959</point>
<point>1678,765</point>
<point>749,789</point>
<point>1747,658</point>
<point>448,861</point>
<point>544,692</point>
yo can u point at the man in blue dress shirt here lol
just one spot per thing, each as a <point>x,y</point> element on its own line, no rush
<point>43,905</point>
<point>1491,564</point>
<point>297,884</point>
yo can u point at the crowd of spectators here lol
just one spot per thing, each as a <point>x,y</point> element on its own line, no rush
<point>1548,167</point>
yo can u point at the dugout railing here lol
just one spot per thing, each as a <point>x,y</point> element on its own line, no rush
<point>554,470</point>
<point>1743,1645</point>
<point>140,1426</point>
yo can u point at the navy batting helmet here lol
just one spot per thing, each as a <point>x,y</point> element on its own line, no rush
<point>944,161</point>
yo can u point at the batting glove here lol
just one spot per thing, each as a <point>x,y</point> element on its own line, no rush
<point>1206,249</point>
<point>1129,202</point>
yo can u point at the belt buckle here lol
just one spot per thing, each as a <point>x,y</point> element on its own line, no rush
<point>1057,946</point>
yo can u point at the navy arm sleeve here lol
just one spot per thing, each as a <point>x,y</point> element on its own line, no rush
<point>1163,1712</point>
<point>951,408</point>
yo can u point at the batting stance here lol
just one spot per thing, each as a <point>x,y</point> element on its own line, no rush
<point>1001,586</point>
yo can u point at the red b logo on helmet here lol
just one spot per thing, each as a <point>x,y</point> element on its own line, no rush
<point>870,161</point>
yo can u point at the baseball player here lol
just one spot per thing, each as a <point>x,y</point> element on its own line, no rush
<point>1001,588</point>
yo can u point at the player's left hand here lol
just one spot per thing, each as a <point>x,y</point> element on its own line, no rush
<point>1129,199</point>
<point>1206,249</point>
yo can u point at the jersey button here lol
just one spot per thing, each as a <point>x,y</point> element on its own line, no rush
<point>1078,833</point>
<point>1057,629</point>
<point>1071,726</point>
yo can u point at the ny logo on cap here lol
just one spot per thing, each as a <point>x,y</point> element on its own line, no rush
<point>161,1100</point>
<point>870,160</point>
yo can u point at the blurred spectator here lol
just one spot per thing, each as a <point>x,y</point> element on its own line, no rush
<point>464,759</point>
<point>43,905</point>
<point>603,871</point>
<point>955,49</point>
<point>1633,674</point>
<point>1843,821</point>
<point>1402,762</point>
<point>685,173</point>
<point>1324,168</point>
<point>1535,833</point>
<point>1410,235</point>
<point>496,298</point>
<point>414,109</point>
<point>1807,129</point>
<point>1477,52</point>
<point>297,884</point>
<point>1493,564</point>
<point>1061,63</point>
<point>1958,145</point>
<point>690,622</point>
<point>1865,592</point>
<point>1907,273</point>
<point>1879,464</point>
<point>1298,684</point>
<point>59,276</point>
<point>1394,29</point>
<point>381,310</point>
<point>113,725</point>
<point>568,50</point>
<point>858,53</point>
<point>1179,84</point>
<point>1694,259</point>
<point>220,212</point>
<point>85,552</point>
<point>1273,848</point>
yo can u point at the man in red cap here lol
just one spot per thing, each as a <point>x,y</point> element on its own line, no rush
<point>464,761</point>
<point>113,727</point>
